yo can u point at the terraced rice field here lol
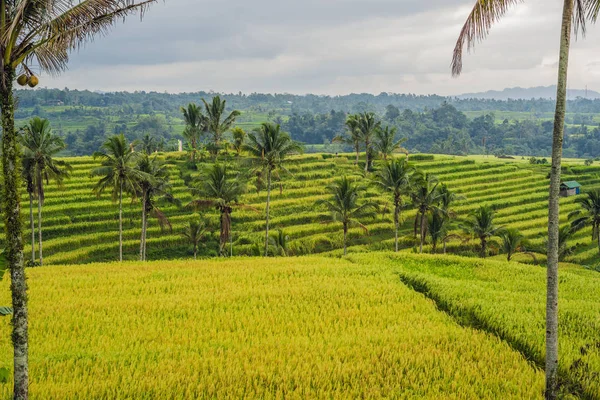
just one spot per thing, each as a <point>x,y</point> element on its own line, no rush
<point>80,228</point>
<point>298,328</point>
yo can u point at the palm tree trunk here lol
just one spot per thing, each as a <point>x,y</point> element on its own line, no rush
<point>121,222</point>
<point>268,201</point>
<point>396,223</point>
<point>357,148</point>
<point>14,236</point>
<point>145,236</point>
<point>142,238</point>
<point>445,246</point>
<point>195,251</point>
<point>345,239</point>
<point>422,232</point>
<point>554,206</point>
<point>366,156</point>
<point>39,207</point>
<point>483,247</point>
<point>32,225</point>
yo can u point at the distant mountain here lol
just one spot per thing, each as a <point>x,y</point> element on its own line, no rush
<point>544,92</point>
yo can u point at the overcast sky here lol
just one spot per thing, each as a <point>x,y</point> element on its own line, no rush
<point>326,47</point>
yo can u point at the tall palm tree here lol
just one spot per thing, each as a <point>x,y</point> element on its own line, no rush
<point>40,147</point>
<point>352,136</point>
<point>40,33</point>
<point>216,122</point>
<point>386,143</point>
<point>195,125</point>
<point>270,147</point>
<point>576,13</point>
<point>395,178</point>
<point>345,206</point>
<point>153,187</point>
<point>118,173</point>
<point>218,188</point>
<point>368,125</point>
<point>28,174</point>
<point>194,232</point>
<point>588,215</point>
<point>426,198</point>
<point>481,224</point>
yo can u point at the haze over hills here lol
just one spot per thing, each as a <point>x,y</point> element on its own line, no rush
<point>539,92</point>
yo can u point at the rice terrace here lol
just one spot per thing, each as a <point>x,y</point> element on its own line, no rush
<point>264,242</point>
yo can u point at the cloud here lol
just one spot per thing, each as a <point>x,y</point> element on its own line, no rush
<point>327,47</point>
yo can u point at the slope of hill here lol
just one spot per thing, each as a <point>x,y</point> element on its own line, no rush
<point>80,228</point>
<point>539,92</point>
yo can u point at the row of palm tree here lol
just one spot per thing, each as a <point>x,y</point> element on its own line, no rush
<point>365,131</point>
<point>213,120</point>
<point>124,171</point>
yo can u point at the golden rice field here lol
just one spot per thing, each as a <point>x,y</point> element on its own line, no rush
<point>297,328</point>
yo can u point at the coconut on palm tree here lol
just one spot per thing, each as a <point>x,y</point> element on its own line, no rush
<point>269,147</point>
<point>395,178</point>
<point>588,215</point>
<point>40,33</point>
<point>576,13</point>
<point>426,198</point>
<point>118,173</point>
<point>217,123</point>
<point>40,147</point>
<point>153,188</point>
<point>386,143</point>
<point>220,189</point>
<point>481,225</point>
<point>346,206</point>
<point>195,125</point>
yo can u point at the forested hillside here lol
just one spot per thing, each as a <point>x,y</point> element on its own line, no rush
<point>430,123</point>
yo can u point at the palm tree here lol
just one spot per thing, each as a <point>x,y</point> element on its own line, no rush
<point>40,146</point>
<point>195,124</point>
<point>395,178</point>
<point>426,198</point>
<point>575,16</point>
<point>482,226</point>
<point>269,146</point>
<point>215,124</point>
<point>345,206</point>
<point>194,232</point>
<point>368,125</point>
<point>149,144</point>
<point>220,190</point>
<point>40,33</point>
<point>386,143</point>
<point>437,227</point>
<point>118,173</point>
<point>589,215</point>
<point>353,136</point>
<point>279,242</point>
<point>153,186</point>
<point>239,137</point>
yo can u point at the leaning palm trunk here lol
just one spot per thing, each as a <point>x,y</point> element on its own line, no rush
<point>121,222</point>
<point>32,226</point>
<point>225,230</point>
<point>268,202</point>
<point>14,236</point>
<point>554,207</point>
